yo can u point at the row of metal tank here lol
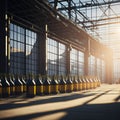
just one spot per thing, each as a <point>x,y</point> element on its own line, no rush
<point>42,85</point>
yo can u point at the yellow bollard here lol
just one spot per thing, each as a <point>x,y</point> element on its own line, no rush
<point>39,85</point>
<point>83,83</point>
<point>12,85</point>
<point>79,84</point>
<point>87,83</point>
<point>69,84</point>
<point>31,87</point>
<point>46,85</point>
<point>99,82</point>
<point>24,84</point>
<point>5,87</point>
<point>75,84</point>
<point>54,85</point>
<point>18,86</point>
<point>62,85</point>
<point>91,83</point>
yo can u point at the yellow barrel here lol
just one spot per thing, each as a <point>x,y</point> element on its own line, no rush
<point>75,84</point>
<point>12,86</point>
<point>87,83</point>
<point>54,85</point>
<point>46,85</point>
<point>69,84</point>
<point>91,83</point>
<point>79,83</point>
<point>23,80</point>
<point>83,84</point>
<point>62,85</point>
<point>31,88</point>
<point>39,85</point>
<point>5,87</point>
<point>18,86</point>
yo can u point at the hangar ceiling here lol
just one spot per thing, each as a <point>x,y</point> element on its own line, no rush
<point>100,18</point>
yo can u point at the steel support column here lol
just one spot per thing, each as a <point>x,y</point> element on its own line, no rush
<point>42,38</point>
<point>4,38</point>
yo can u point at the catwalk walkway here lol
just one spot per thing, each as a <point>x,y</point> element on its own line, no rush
<point>102,103</point>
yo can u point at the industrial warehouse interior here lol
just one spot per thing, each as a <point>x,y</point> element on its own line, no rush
<point>59,59</point>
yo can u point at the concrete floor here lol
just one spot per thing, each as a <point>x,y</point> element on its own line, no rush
<point>102,103</point>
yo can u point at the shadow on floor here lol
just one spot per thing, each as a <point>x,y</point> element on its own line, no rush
<point>94,112</point>
<point>117,98</point>
<point>71,96</point>
<point>86,111</point>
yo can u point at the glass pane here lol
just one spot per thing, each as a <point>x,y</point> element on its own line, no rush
<point>56,57</point>
<point>18,55</point>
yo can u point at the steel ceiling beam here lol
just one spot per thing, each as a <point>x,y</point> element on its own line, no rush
<point>90,5</point>
<point>101,24</point>
<point>99,20</point>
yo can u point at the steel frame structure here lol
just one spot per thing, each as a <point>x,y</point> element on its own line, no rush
<point>100,18</point>
<point>88,13</point>
<point>40,17</point>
